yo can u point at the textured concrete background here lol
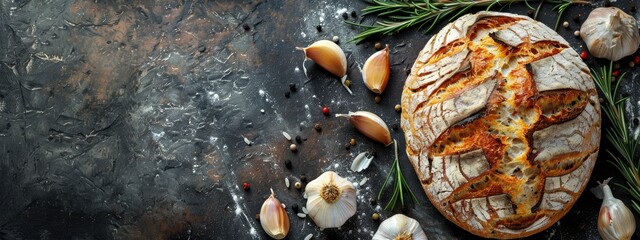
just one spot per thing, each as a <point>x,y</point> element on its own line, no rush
<point>126,120</point>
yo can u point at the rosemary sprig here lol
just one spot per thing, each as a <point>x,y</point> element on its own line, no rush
<point>400,186</point>
<point>619,135</point>
<point>402,14</point>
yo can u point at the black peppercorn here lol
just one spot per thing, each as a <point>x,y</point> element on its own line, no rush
<point>246,27</point>
<point>294,207</point>
<point>303,178</point>
<point>287,163</point>
<point>345,16</point>
<point>353,14</point>
<point>373,201</point>
<point>287,94</point>
<point>298,139</point>
<point>319,28</point>
<point>292,87</point>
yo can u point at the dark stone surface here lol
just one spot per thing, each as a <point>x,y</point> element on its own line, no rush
<point>126,120</point>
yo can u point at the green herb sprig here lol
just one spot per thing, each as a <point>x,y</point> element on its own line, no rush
<point>619,135</point>
<point>400,186</point>
<point>402,14</point>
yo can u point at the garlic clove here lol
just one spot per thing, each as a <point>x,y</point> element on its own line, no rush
<point>370,125</point>
<point>361,162</point>
<point>400,227</point>
<point>329,56</point>
<point>376,71</point>
<point>615,220</point>
<point>331,200</point>
<point>610,33</point>
<point>274,218</point>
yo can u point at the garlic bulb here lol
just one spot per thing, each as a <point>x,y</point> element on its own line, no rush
<point>329,56</point>
<point>331,200</point>
<point>400,227</point>
<point>370,125</point>
<point>274,218</point>
<point>610,33</point>
<point>376,71</point>
<point>615,220</point>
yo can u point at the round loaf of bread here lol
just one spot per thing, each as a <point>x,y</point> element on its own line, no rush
<point>502,123</point>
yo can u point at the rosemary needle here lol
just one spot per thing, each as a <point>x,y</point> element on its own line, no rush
<point>402,14</point>
<point>619,135</point>
<point>400,186</point>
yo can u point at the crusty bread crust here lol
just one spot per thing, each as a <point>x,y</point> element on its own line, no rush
<point>502,123</point>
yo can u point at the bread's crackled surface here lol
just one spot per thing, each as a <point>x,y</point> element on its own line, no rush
<point>502,124</point>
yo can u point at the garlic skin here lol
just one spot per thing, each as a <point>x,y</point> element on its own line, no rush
<point>329,56</point>
<point>615,220</point>
<point>361,162</point>
<point>400,227</point>
<point>370,125</point>
<point>376,71</point>
<point>274,218</point>
<point>331,200</point>
<point>610,33</point>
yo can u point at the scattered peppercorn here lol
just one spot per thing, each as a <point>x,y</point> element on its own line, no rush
<point>347,82</point>
<point>636,59</point>
<point>297,185</point>
<point>616,73</point>
<point>298,139</point>
<point>632,64</point>
<point>398,108</point>
<point>293,147</point>
<point>317,127</point>
<point>373,201</point>
<point>377,99</point>
<point>325,110</point>
<point>303,178</point>
<point>293,87</point>
<point>287,94</point>
<point>375,216</point>
<point>347,146</point>
<point>353,14</point>
<point>319,28</point>
<point>377,46</point>
<point>245,27</point>
<point>352,142</point>
<point>576,18</point>
<point>335,39</point>
<point>287,163</point>
<point>395,127</point>
<point>584,55</point>
<point>565,24</point>
<point>294,207</point>
<point>257,217</point>
<point>616,65</point>
<point>246,186</point>
<point>345,16</point>
<point>576,33</point>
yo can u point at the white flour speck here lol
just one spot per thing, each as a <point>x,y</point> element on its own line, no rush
<point>303,34</point>
<point>340,12</point>
<point>261,92</point>
<point>297,69</point>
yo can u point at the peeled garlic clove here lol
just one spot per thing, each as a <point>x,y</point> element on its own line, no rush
<point>400,227</point>
<point>361,162</point>
<point>274,218</point>
<point>329,56</point>
<point>331,200</point>
<point>615,220</point>
<point>376,70</point>
<point>370,125</point>
<point>610,33</point>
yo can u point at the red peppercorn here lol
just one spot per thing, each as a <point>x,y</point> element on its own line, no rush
<point>584,55</point>
<point>636,60</point>
<point>616,73</point>
<point>325,110</point>
<point>246,186</point>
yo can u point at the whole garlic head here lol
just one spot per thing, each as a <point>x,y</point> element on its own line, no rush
<point>400,227</point>
<point>331,200</point>
<point>610,33</point>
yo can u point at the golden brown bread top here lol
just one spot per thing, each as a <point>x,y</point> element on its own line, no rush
<point>502,124</point>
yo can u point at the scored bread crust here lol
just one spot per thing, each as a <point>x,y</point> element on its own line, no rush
<point>502,124</point>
